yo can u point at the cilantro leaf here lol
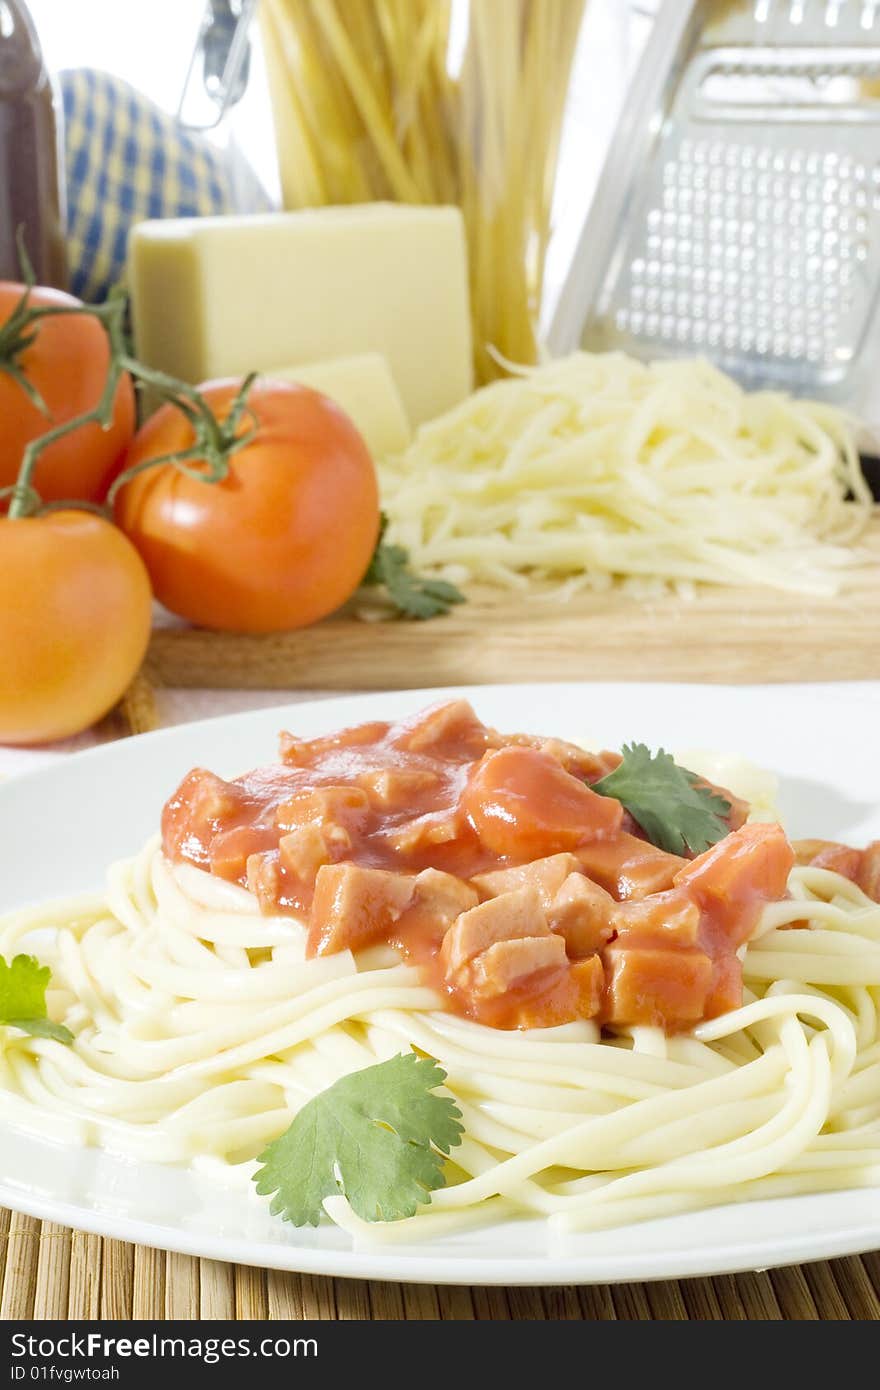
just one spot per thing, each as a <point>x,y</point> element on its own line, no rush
<point>414,595</point>
<point>23,999</point>
<point>372,1136</point>
<point>674,807</point>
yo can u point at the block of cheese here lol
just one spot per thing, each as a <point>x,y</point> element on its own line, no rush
<point>365,389</point>
<point>220,296</point>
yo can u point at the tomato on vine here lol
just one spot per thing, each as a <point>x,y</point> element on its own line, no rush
<point>249,506</point>
<point>53,369</point>
<point>75,599</point>
<point>75,613</point>
<point>254,505</point>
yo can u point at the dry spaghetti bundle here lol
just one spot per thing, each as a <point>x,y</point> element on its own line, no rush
<point>395,99</point>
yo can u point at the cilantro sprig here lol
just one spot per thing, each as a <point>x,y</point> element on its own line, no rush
<point>414,595</point>
<point>23,999</point>
<point>674,807</point>
<point>377,1136</point>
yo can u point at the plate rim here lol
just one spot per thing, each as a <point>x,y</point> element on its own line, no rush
<point>393,1262</point>
<point>542,1271</point>
<point>104,750</point>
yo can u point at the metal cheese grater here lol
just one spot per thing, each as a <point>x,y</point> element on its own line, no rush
<point>738,213</point>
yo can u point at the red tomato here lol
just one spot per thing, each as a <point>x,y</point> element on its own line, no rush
<point>67,363</point>
<point>283,539</point>
<point>75,610</point>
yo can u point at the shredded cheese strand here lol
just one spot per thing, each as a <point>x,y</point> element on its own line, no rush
<point>597,468</point>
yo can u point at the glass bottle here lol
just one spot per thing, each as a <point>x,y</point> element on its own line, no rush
<point>31,189</point>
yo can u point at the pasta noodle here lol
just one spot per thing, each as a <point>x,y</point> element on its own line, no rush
<point>393,99</point>
<point>201,1027</point>
<point>596,468</point>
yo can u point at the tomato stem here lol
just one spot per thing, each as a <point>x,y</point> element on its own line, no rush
<point>15,337</point>
<point>18,333</point>
<point>178,459</point>
<point>112,315</point>
<point>215,440</point>
<point>214,443</point>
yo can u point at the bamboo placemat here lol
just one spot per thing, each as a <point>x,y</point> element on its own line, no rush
<point>50,1272</point>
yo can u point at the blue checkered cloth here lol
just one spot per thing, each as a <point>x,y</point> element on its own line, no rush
<point>127,160</point>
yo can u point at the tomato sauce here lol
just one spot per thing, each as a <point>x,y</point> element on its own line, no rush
<point>527,898</point>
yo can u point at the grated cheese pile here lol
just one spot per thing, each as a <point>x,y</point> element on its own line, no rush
<point>596,468</point>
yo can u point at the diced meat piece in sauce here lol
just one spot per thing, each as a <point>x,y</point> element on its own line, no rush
<point>264,878</point>
<point>575,991</point>
<point>303,852</point>
<point>231,850</point>
<point>841,860</point>
<point>627,867</point>
<point>588,978</point>
<point>828,854</point>
<point>300,752</point>
<point>807,851</point>
<point>446,896</point>
<point>354,907</point>
<point>209,797</point>
<point>589,767</point>
<point>523,804</point>
<point>676,962</point>
<point>419,835</point>
<point>869,871</point>
<point>652,985</point>
<point>203,808</point>
<point>663,919</point>
<point>451,725</point>
<point>340,811</point>
<point>583,914</point>
<point>547,875</point>
<point>507,918</point>
<point>725,991</point>
<point>389,788</point>
<point>861,866</point>
<point>735,878</point>
<point>505,965</point>
<point>438,899</point>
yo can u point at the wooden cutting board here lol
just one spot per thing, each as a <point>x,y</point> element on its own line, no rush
<point>723,635</point>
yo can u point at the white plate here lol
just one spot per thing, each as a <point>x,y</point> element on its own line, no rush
<point>61,826</point>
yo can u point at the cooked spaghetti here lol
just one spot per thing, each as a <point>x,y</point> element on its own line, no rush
<point>203,1024</point>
